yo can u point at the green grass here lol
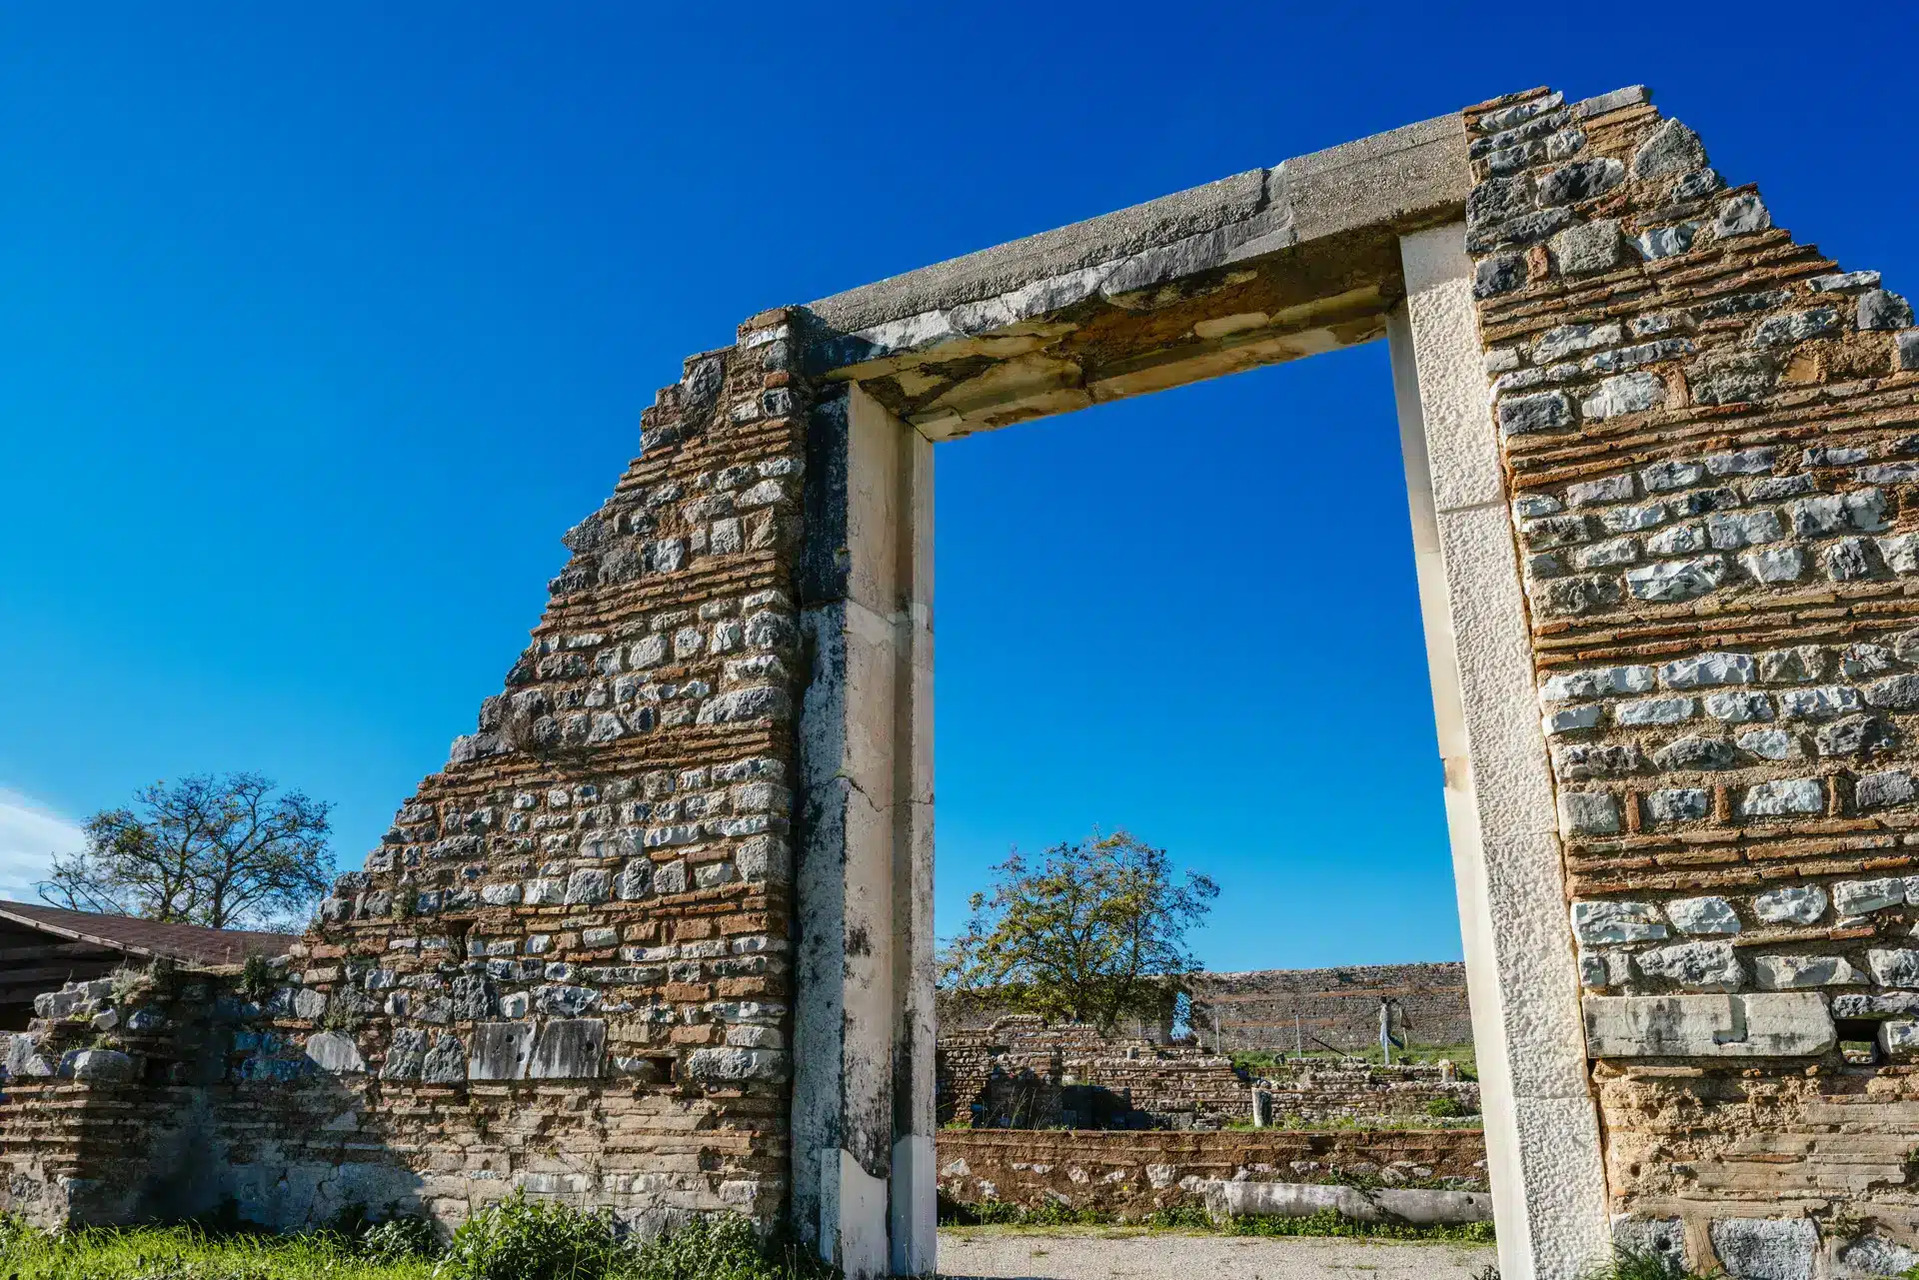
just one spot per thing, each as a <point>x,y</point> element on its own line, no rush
<point>185,1253</point>
<point>1367,1124</point>
<point>517,1239</point>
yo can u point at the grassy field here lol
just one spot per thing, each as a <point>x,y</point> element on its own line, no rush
<point>538,1241</point>
<point>517,1239</point>
<point>181,1253</point>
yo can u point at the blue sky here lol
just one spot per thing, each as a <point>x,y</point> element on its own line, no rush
<point>324,322</point>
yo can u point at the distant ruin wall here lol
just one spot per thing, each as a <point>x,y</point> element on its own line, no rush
<point>1021,1073</point>
<point>1024,1074</point>
<point>1131,1174</point>
<point>1277,1009</point>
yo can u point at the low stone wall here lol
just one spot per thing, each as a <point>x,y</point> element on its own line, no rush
<point>1130,1174</point>
<point>1021,1073</point>
<point>1320,1094</point>
<point>125,1102</point>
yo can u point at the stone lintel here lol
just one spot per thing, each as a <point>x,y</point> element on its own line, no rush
<point>1416,171</point>
<point>1261,267</point>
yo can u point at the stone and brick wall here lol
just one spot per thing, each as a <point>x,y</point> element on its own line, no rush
<point>1711,438</point>
<point>1321,1092</point>
<point>1265,1009</point>
<point>566,967</point>
<point>1131,1174</point>
<point>1022,1073</point>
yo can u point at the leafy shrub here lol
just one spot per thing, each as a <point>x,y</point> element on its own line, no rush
<point>398,1239</point>
<point>722,1249</point>
<point>258,979</point>
<point>1445,1108</point>
<point>1179,1217</point>
<point>522,1239</point>
<point>1630,1264</point>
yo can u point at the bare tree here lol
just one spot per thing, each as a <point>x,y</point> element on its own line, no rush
<point>221,852</point>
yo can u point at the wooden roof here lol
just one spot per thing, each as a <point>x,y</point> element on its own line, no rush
<point>132,936</point>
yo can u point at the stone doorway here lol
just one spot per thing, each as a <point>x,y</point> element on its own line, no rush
<point>1347,246</point>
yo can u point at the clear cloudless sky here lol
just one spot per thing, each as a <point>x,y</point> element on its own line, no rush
<point>322,322</point>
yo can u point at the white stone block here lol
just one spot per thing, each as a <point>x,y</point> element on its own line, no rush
<point>1792,904</point>
<point>1856,897</point>
<point>1703,915</point>
<point>1899,1035</point>
<point>1703,966</point>
<point>1597,923</point>
<point>1791,973</point>
<point>1777,1024</point>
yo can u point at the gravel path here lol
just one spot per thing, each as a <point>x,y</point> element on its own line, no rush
<point>1093,1254</point>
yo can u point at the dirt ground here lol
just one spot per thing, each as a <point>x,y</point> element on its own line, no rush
<point>967,1253</point>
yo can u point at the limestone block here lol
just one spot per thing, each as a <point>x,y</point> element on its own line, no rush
<point>1887,787</point>
<point>568,1049</point>
<point>1877,1256</point>
<point>1703,966</point>
<point>1792,972</point>
<point>1651,1237</point>
<point>1703,915</point>
<point>1686,1026</point>
<point>1893,967</point>
<point>719,1068</point>
<point>1899,1036</point>
<point>1668,151</point>
<point>445,1063</point>
<point>1793,904</point>
<point>1766,1248</point>
<point>101,1066</point>
<point>1856,897</point>
<point>1597,923</point>
<point>500,1051</point>
<point>334,1053</point>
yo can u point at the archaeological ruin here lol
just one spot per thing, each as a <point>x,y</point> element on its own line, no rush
<point>658,937</point>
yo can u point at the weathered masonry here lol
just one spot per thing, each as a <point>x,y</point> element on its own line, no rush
<point>658,935</point>
<point>1337,1008</point>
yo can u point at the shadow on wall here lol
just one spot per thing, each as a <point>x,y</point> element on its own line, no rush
<point>164,1096</point>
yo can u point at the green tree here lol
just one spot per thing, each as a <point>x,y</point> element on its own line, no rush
<point>1093,932</point>
<point>222,852</point>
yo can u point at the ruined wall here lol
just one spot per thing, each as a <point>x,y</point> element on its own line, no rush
<point>1340,1006</point>
<point>1322,1092</point>
<point>1711,437</point>
<point>1024,1074</point>
<point>566,967</point>
<point>1131,1174</point>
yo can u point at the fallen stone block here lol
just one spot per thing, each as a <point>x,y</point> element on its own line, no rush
<point>1226,1200</point>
